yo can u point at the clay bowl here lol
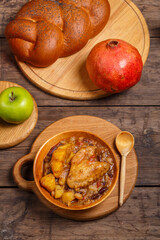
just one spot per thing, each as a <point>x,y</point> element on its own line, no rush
<point>43,194</point>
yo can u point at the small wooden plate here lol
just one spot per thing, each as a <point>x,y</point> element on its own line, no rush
<point>68,77</point>
<point>103,129</point>
<point>12,134</point>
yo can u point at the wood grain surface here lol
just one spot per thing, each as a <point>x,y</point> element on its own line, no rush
<point>137,110</point>
<point>25,217</point>
<point>12,134</point>
<point>68,77</point>
<point>108,132</point>
<point>140,94</point>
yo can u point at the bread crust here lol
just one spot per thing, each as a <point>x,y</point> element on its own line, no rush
<point>45,30</point>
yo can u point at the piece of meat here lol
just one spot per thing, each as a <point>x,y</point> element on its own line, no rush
<point>85,171</point>
<point>63,176</point>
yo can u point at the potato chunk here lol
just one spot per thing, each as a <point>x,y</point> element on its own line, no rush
<point>57,161</point>
<point>58,191</point>
<point>68,197</point>
<point>59,154</point>
<point>48,182</point>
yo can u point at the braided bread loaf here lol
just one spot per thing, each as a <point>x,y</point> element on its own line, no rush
<point>46,30</point>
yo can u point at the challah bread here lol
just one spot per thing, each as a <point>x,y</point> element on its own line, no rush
<point>46,30</point>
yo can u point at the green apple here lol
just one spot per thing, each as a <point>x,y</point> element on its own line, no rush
<point>16,105</point>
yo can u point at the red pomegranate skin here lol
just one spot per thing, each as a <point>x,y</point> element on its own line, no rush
<point>114,65</point>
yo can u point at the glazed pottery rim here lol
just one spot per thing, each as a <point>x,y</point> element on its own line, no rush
<point>81,207</point>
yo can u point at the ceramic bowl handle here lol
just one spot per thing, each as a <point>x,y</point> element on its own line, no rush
<point>20,181</point>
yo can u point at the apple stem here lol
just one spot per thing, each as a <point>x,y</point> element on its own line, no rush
<point>113,43</point>
<point>12,98</point>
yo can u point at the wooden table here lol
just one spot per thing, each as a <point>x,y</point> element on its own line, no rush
<point>137,110</point>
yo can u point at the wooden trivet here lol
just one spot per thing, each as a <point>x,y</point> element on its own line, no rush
<point>12,134</point>
<point>68,78</point>
<point>106,131</point>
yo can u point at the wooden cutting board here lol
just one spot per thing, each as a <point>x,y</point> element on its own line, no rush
<point>68,78</point>
<point>106,131</point>
<point>12,134</point>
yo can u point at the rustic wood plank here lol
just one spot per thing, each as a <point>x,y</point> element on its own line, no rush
<point>149,8</point>
<point>23,217</point>
<point>142,122</point>
<point>146,92</point>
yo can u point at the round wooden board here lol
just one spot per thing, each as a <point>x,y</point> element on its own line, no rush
<point>12,134</point>
<point>108,132</point>
<point>68,77</point>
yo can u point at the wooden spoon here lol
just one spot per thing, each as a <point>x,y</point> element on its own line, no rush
<point>124,143</point>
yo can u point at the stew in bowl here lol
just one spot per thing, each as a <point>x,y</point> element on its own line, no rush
<point>75,170</point>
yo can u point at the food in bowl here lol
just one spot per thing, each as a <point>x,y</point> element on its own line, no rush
<point>78,171</point>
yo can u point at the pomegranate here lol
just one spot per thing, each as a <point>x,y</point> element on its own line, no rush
<point>114,65</point>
